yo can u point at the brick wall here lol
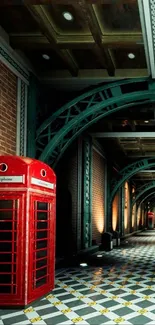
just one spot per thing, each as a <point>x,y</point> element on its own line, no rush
<point>8,107</point>
<point>97,196</point>
<point>127,208</point>
<point>115,212</point>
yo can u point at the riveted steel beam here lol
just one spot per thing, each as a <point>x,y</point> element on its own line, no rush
<point>123,134</point>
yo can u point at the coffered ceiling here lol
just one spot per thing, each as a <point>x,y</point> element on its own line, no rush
<point>74,44</point>
<point>81,40</point>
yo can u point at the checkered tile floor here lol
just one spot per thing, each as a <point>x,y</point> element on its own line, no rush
<point>119,290</point>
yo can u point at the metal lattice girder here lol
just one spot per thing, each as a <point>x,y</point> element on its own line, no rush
<point>142,190</point>
<point>56,134</point>
<point>148,196</point>
<point>127,172</point>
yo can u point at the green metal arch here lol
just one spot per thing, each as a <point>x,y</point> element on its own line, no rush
<point>56,133</point>
<point>146,197</point>
<point>142,190</point>
<point>127,172</point>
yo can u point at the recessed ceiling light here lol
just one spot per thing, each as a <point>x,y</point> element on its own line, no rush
<point>46,56</point>
<point>131,56</point>
<point>146,121</point>
<point>67,15</point>
<point>83,264</point>
<point>99,255</point>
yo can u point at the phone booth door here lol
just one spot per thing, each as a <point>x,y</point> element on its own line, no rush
<point>42,246</point>
<point>11,258</point>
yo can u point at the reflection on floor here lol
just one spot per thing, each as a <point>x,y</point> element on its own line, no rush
<point>119,290</point>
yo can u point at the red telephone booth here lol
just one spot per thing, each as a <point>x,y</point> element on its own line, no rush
<point>150,220</point>
<point>27,230</point>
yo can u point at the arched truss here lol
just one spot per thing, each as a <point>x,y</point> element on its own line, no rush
<point>148,196</point>
<point>127,172</point>
<point>56,133</point>
<point>142,190</point>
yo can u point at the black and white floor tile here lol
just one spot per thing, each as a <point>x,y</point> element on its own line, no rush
<point>119,290</point>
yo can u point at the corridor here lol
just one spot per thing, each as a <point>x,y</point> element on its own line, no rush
<point>116,287</point>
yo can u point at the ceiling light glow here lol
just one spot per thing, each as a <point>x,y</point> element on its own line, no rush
<point>99,255</point>
<point>67,15</point>
<point>83,264</point>
<point>131,56</point>
<point>46,56</point>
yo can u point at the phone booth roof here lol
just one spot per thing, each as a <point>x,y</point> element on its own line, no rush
<point>26,172</point>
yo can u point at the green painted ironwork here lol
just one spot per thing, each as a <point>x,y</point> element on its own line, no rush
<point>31,117</point>
<point>56,134</point>
<point>127,172</point>
<point>87,194</point>
<point>14,64</point>
<point>148,196</point>
<point>141,190</point>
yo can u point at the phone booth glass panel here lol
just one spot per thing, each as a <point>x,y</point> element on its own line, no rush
<point>42,238</point>
<point>150,220</point>
<point>27,230</point>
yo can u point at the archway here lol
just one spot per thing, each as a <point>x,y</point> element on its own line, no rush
<point>56,134</point>
<point>142,190</point>
<point>127,172</point>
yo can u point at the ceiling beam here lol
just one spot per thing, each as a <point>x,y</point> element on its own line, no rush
<point>35,2</point>
<point>123,134</point>
<point>88,14</point>
<point>76,41</point>
<point>41,16</point>
<point>48,2</point>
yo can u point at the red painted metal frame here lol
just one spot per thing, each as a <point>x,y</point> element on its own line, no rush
<point>29,181</point>
<point>33,293</point>
<point>16,298</point>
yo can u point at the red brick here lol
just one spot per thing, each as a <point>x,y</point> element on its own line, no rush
<point>98,196</point>
<point>8,109</point>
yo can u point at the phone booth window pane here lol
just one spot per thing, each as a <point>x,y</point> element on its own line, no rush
<point>41,243</point>
<point>8,237</point>
<point>42,234</point>
<point>42,253</point>
<point>42,206</point>
<point>42,225</point>
<point>42,215</point>
<point>6,204</point>
<point>5,215</point>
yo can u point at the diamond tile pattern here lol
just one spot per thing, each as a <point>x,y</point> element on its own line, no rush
<point>119,290</point>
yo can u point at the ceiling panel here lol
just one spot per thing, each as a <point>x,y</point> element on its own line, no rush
<point>118,17</point>
<point>86,59</point>
<point>76,26</point>
<point>54,62</point>
<point>94,44</point>
<point>122,61</point>
<point>17,19</point>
